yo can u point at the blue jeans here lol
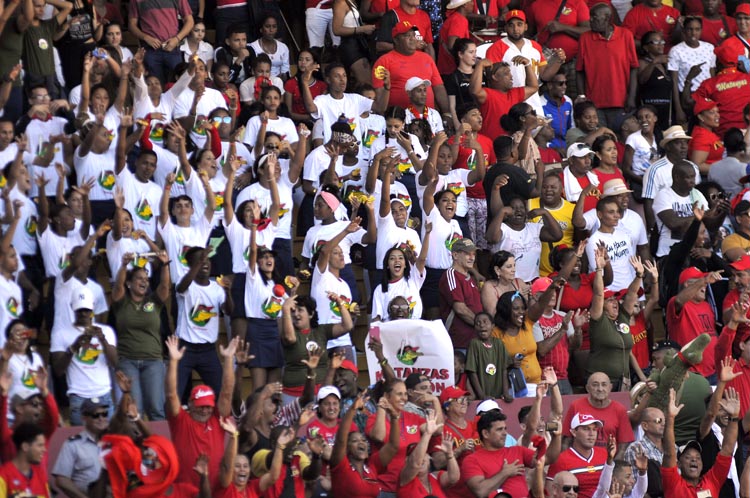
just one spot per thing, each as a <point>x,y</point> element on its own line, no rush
<point>76,402</point>
<point>147,386</point>
<point>161,63</point>
<point>203,359</point>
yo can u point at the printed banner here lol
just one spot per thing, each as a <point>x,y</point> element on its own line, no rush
<point>414,346</point>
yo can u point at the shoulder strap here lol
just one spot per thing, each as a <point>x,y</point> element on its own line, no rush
<point>560,9</point>
<point>726,26</point>
<point>740,38</point>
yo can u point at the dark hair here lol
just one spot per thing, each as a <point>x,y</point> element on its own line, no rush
<point>439,195</point>
<point>503,146</point>
<point>504,308</point>
<point>332,66</point>
<point>34,86</point>
<point>734,141</point>
<point>481,313</point>
<point>523,413</point>
<point>582,107</point>
<point>460,355</point>
<point>217,65</point>
<point>101,86</point>
<point>232,29</point>
<point>395,112</point>
<point>465,108</point>
<point>424,127</point>
<point>703,187</point>
<point>196,158</point>
<point>181,197</point>
<point>646,39</point>
<point>364,87</point>
<point>601,203</point>
<point>111,24</point>
<point>316,74</point>
<point>460,46</point>
<point>268,89</point>
<point>598,145</point>
<point>265,16</point>
<point>387,271</point>
<point>311,306</point>
<point>146,152</point>
<point>498,260</point>
<point>260,59</point>
<point>487,419</point>
<point>192,253</point>
<point>511,122</point>
<point>698,19</point>
<point>391,384</point>
<point>9,327</point>
<point>558,254</point>
<point>26,433</point>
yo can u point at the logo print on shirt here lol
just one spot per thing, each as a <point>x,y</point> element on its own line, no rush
<point>107,180</point>
<point>30,226</point>
<point>272,307</point>
<point>335,307</point>
<point>201,315</point>
<point>157,132</point>
<point>219,197</point>
<point>183,260</point>
<point>457,188</point>
<point>143,210</point>
<point>370,137</point>
<point>198,130</point>
<point>404,165</point>
<point>12,307</point>
<point>3,181</point>
<point>405,198</point>
<point>27,380</point>
<point>452,240</point>
<point>89,355</point>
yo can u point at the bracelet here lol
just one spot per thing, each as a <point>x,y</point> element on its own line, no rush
<point>639,275</point>
<point>393,419</point>
<point>734,419</point>
<point>281,446</point>
<point>451,456</point>
<point>552,385</point>
<point>310,377</point>
<point>600,269</point>
<point>383,362</point>
<point>236,434</point>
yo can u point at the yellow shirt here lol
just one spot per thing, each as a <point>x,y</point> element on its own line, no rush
<point>735,241</point>
<point>525,344</point>
<point>564,217</point>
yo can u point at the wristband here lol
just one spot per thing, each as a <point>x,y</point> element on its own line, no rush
<point>383,362</point>
<point>639,275</point>
<point>734,419</point>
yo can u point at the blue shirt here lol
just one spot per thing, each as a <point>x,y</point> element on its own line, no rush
<point>561,116</point>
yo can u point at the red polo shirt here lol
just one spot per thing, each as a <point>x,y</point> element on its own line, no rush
<point>14,483</point>
<point>409,424</point>
<point>541,12</point>
<point>402,67</point>
<point>607,64</point>
<point>420,19</point>
<point>346,481</point>
<point>456,287</point>
<point>641,19</point>
<point>693,320</point>
<point>676,487</point>
<point>730,89</point>
<point>497,104</point>
<point>707,141</point>
<point>196,439</point>
<point>714,30</point>
<point>455,25</point>
<point>487,463</point>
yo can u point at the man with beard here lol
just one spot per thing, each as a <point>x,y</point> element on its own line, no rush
<point>682,477</point>
<point>25,475</point>
<point>514,44</point>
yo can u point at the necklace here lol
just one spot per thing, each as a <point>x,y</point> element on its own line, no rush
<point>419,115</point>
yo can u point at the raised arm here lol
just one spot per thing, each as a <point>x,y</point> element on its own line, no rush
<point>475,84</point>
<point>172,405</point>
<point>597,303</point>
<point>224,404</point>
<point>298,161</point>
<point>414,461</point>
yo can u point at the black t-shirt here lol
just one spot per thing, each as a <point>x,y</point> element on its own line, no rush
<point>519,183</point>
<point>457,84</point>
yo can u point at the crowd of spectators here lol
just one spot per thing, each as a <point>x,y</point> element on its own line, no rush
<point>202,233</point>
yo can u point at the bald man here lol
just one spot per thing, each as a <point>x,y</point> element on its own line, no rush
<point>564,485</point>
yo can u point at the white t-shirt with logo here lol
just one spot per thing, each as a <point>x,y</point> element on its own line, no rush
<point>390,235</point>
<point>443,235</point>
<point>177,240</point>
<point>37,132</point>
<point>211,99</point>
<point>630,222</point>
<point>262,196</point>
<point>100,167</point>
<point>11,304</point>
<point>260,299</point>
<point>198,312</point>
<point>406,288</point>
<point>351,105</point>
<point>21,369</point>
<point>320,234</point>
<point>619,249</point>
<point>56,250</point>
<point>88,372</point>
<point>456,181</point>
<point>328,311</point>
<point>317,162</point>
<point>239,242</point>
<point>281,126</point>
<point>64,292</point>
<point>142,200</point>
<point>397,188</point>
<point>24,238</point>
<point>116,249</point>
<point>682,206</point>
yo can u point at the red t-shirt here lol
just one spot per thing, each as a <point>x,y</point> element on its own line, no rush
<point>707,141</point>
<point>640,341</point>
<point>732,297</point>
<point>402,67</point>
<point>49,423</point>
<point>252,490</point>
<point>605,177</point>
<point>587,470</point>
<point>714,30</point>
<point>293,469</point>
<point>607,64</point>
<point>695,8</point>
<point>676,487</point>
<point>455,25</point>
<point>589,202</point>
<point>381,6</point>
<point>742,383</point>
<point>573,299</point>
<point>298,106</point>
<point>415,488</point>
<point>14,483</point>
<point>558,356</point>
<point>614,417</point>
<point>458,288</point>
<point>497,104</point>
<point>549,155</point>
<point>730,89</point>
<point>694,320</point>
<point>490,8</point>
<point>541,12</point>
<point>346,481</point>
<point>193,439</point>
<point>475,191</point>
<point>420,19</point>
<point>487,463</point>
<point>641,19</point>
<point>409,423</point>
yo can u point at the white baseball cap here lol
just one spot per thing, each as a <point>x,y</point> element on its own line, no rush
<point>414,82</point>
<point>580,419</point>
<point>326,391</point>
<point>83,298</point>
<point>578,149</point>
<point>487,405</point>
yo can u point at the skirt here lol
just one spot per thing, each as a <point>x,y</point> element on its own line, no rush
<point>265,343</point>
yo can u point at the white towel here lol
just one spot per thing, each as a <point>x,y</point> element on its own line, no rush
<point>573,189</point>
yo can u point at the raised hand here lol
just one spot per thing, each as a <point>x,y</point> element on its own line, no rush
<point>201,465</point>
<point>123,381</point>
<point>611,448</point>
<point>616,490</point>
<point>229,351</point>
<point>641,459</point>
<point>651,269</point>
<point>286,437</point>
<point>173,347</point>
<point>227,423</point>
<point>731,402</point>
<point>549,375</point>
<point>635,262</point>
<point>313,357</point>
<point>673,409</point>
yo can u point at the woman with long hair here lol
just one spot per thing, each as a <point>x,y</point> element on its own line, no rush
<point>307,62</point>
<point>355,39</point>
<point>605,162</point>
<point>502,279</point>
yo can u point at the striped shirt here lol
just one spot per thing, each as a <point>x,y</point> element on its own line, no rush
<point>587,470</point>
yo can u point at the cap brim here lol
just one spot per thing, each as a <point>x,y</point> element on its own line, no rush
<point>744,179</point>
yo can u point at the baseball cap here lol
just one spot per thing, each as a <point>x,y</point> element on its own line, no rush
<point>326,391</point>
<point>515,14</point>
<point>465,245</point>
<point>742,207</point>
<point>675,132</point>
<point>580,419</point>
<point>746,178</point>
<point>690,444</point>
<point>348,365</point>
<point>450,393</point>
<point>578,149</point>
<point>727,54</point>
<point>403,27</point>
<point>454,4</point>
<point>90,405</point>
<point>486,406</point>
<point>413,379</point>
<point>24,396</point>
<point>742,264</point>
<point>541,284</point>
<point>666,344</point>
<point>703,104</point>
<point>202,396</point>
<point>614,187</point>
<point>414,82</point>
<point>690,273</point>
<point>83,299</point>
<point>609,293</point>
<point>742,8</point>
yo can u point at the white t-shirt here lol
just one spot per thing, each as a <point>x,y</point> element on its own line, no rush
<point>619,249</point>
<point>390,235</point>
<point>116,249</point>
<point>320,234</point>
<point>351,105</point>
<point>88,372</point>
<point>56,250</point>
<point>406,288</point>
<point>247,89</point>
<point>64,292</point>
<point>167,162</point>
<point>20,367</point>
<point>38,132</point>
<point>630,223</point>
<point>11,304</point>
<point>211,99</point>
<point>404,163</point>
<point>683,208</point>
<point>247,159</point>
<point>260,300</point>
<point>177,240</point>
<point>456,181</point>
<point>24,238</point>
<point>279,59</point>
<point>644,153</point>
<point>100,167</point>
<point>433,118</point>
<point>197,192</point>
<point>317,162</point>
<point>239,242</point>
<point>198,311</point>
<point>262,196</point>
<point>328,311</point>
<point>525,246</point>
<point>142,200</point>
<point>518,71</point>
<point>281,125</point>
<point>372,127</point>
<point>682,58</point>
<point>397,188</point>
<point>443,235</point>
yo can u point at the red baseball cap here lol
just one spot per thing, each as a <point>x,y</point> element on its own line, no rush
<point>450,393</point>
<point>742,8</point>
<point>742,264</point>
<point>347,364</point>
<point>609,293</point>
<point>202,396</point>
<point>727,54</point>
<point>541,284</point>
<point>690,274</point>
<point>403,27</point>
<point>515,14</point>
<point>703,104</point>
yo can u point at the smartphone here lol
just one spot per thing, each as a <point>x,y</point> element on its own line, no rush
<point>551,426</point>
<point>375,333</point>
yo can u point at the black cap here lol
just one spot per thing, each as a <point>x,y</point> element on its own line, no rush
<point>90,405</point>
<point>690,444</point>
<point>666,344</point>
<point>413,379</point>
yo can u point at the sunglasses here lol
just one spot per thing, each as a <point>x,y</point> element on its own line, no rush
<point>98,415</point>
<point>568,488</point>
<point>400,307</point>
<point>559,83</point>
<point>222,119</point>
<point>657,42</point>
<point>658,420</point>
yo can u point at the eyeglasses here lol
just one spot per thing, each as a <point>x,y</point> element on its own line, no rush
<point>222,119</point>
<point>98,415</point>
<point>461,401</point>
<point>400,307</point>
<point>559,83</point>
<point>566,488</point>
<point>41,97</point>
<point>657,42</point>
<point>658,420</point>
